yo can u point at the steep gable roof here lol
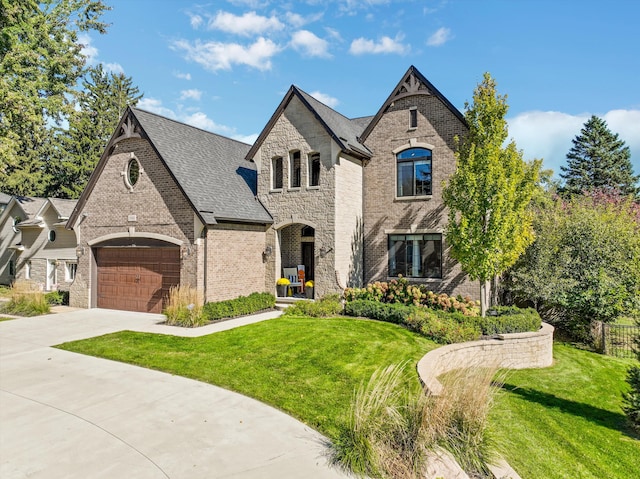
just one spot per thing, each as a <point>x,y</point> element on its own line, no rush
<point>63,207</point>
<point>412,83</point>
<point>208,168</point>
<point>30,205</point>
<point>342,130</point>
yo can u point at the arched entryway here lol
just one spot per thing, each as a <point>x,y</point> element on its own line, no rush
<point>296,243</point>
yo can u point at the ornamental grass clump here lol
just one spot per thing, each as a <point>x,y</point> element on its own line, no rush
<point>26,299</point>
<point>392,427</point>
<point>184,307</point>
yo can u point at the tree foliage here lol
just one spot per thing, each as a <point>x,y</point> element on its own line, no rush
<point>101,102</point>
<point>490,224</point>
<point>585,261</point>
<point>599,160</point>
<point>40,64</point>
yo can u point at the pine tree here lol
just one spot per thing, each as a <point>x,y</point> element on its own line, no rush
<point>597,160</point>
<point>490,224</point>
<point>103,100</point>
<point>40,63</point>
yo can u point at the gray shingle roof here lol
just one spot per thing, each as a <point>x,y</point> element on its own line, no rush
<point>347,130</point>
<point>4,198</point>
<point>209,168</point>
<point>30,205</point>
<point>63,207</point>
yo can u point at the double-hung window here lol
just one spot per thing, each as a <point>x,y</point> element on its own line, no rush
<point>295,173</point>
<point>413,176</point>
<point>415,255</point>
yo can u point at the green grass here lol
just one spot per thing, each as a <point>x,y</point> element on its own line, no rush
<point>566,421</point>
<point>306,367</point>
<point>6,319</point>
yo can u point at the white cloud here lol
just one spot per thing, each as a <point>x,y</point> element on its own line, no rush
<point>191,94</point>
<point>216,56</point>
<point>195,20</point>
<point>333,33</point>
<point>113,67</point>
<point>296,20</point>
<point>198,119</point>
<point>324,98</point>
<point>309,44</point>
<point>248,24</point>
<point>440,37</point>
<point>548,134</point>
<point>362,46</point>
<point>88,50</point>
<point>183,76</point>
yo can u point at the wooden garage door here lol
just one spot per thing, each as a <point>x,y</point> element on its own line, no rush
<point>136,279</point>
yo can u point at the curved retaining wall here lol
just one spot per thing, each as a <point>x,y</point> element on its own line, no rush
<point>509,351</point>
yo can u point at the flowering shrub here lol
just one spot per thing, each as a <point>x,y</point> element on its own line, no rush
<point>401,291</point>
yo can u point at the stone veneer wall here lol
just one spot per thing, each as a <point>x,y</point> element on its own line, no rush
<point>234,261</point>
<point>383,212</point>
<point>298,129</point>
<point>510,351</point>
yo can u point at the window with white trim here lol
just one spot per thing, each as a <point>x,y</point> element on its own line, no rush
<point>415,255</point>
<point>413,172</point>
<point>27,270</point>
<point>70,270</point>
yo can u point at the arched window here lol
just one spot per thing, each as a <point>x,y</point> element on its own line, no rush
<point>414,172</point>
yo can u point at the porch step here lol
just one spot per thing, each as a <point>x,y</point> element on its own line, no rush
<point>284,303</point>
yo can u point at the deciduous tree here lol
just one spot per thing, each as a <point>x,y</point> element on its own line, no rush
<point>40,63</point>
<point>490,224</point>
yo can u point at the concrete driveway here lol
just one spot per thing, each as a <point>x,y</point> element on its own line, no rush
<point>65,415</point>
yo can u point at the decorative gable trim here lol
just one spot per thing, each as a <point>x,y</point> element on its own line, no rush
<point>128,128</point>
<point>412,83</point>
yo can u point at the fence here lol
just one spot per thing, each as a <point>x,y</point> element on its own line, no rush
<point>615,339</point>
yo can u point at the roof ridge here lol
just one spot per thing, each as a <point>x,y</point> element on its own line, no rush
<point>323,104</point>
<point>134,109</point>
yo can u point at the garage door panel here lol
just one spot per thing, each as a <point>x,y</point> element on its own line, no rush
<point>136,279</point>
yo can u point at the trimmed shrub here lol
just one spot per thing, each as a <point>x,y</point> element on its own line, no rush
<point>58,297</point>
<point>239,306</point>
<point>323,308</point>
<point>391,313</point>
<point>508,319</point>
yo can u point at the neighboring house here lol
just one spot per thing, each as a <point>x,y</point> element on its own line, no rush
<point>353,200</point>
<point>4,201</point>
<point>34,243</point>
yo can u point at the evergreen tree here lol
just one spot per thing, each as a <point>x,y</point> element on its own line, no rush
<point>490,224</point>
<point>103,100</point>
<point>597,160</point>
<point>40,63</point>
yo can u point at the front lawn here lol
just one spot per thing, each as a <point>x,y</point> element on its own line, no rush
<point>566,421</point>
<point>309,368</point>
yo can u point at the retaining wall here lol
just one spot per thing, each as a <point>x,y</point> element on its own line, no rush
<point>509,351</point>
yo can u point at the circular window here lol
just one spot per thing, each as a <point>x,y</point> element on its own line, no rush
<point>133,172</point>
<point>16,220</point>
<point>52,236</point>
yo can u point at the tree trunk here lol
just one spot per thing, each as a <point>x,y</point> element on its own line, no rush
<point>485,293</point>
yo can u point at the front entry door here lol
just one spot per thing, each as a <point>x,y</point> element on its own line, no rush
<point>307,260</point>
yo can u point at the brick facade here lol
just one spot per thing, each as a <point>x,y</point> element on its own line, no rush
<point>384,212</point>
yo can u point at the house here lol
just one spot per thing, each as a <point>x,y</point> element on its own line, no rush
<point>4,201</point>
<point>351,200</point>
<point>34,243</point>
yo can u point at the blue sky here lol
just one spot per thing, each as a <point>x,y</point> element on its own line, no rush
<point>225,65</point>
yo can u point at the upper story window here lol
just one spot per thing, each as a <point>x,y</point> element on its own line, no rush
<point>295,176</point>
<point>276,173</point>
<point>133,172</point>
<point>414,172</point>
<point>413,117</point>
<point>52,235</point>
<point>14,226</point>
<point>314,169</point>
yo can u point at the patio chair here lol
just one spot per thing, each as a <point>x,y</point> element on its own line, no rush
<point>292,275</point>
